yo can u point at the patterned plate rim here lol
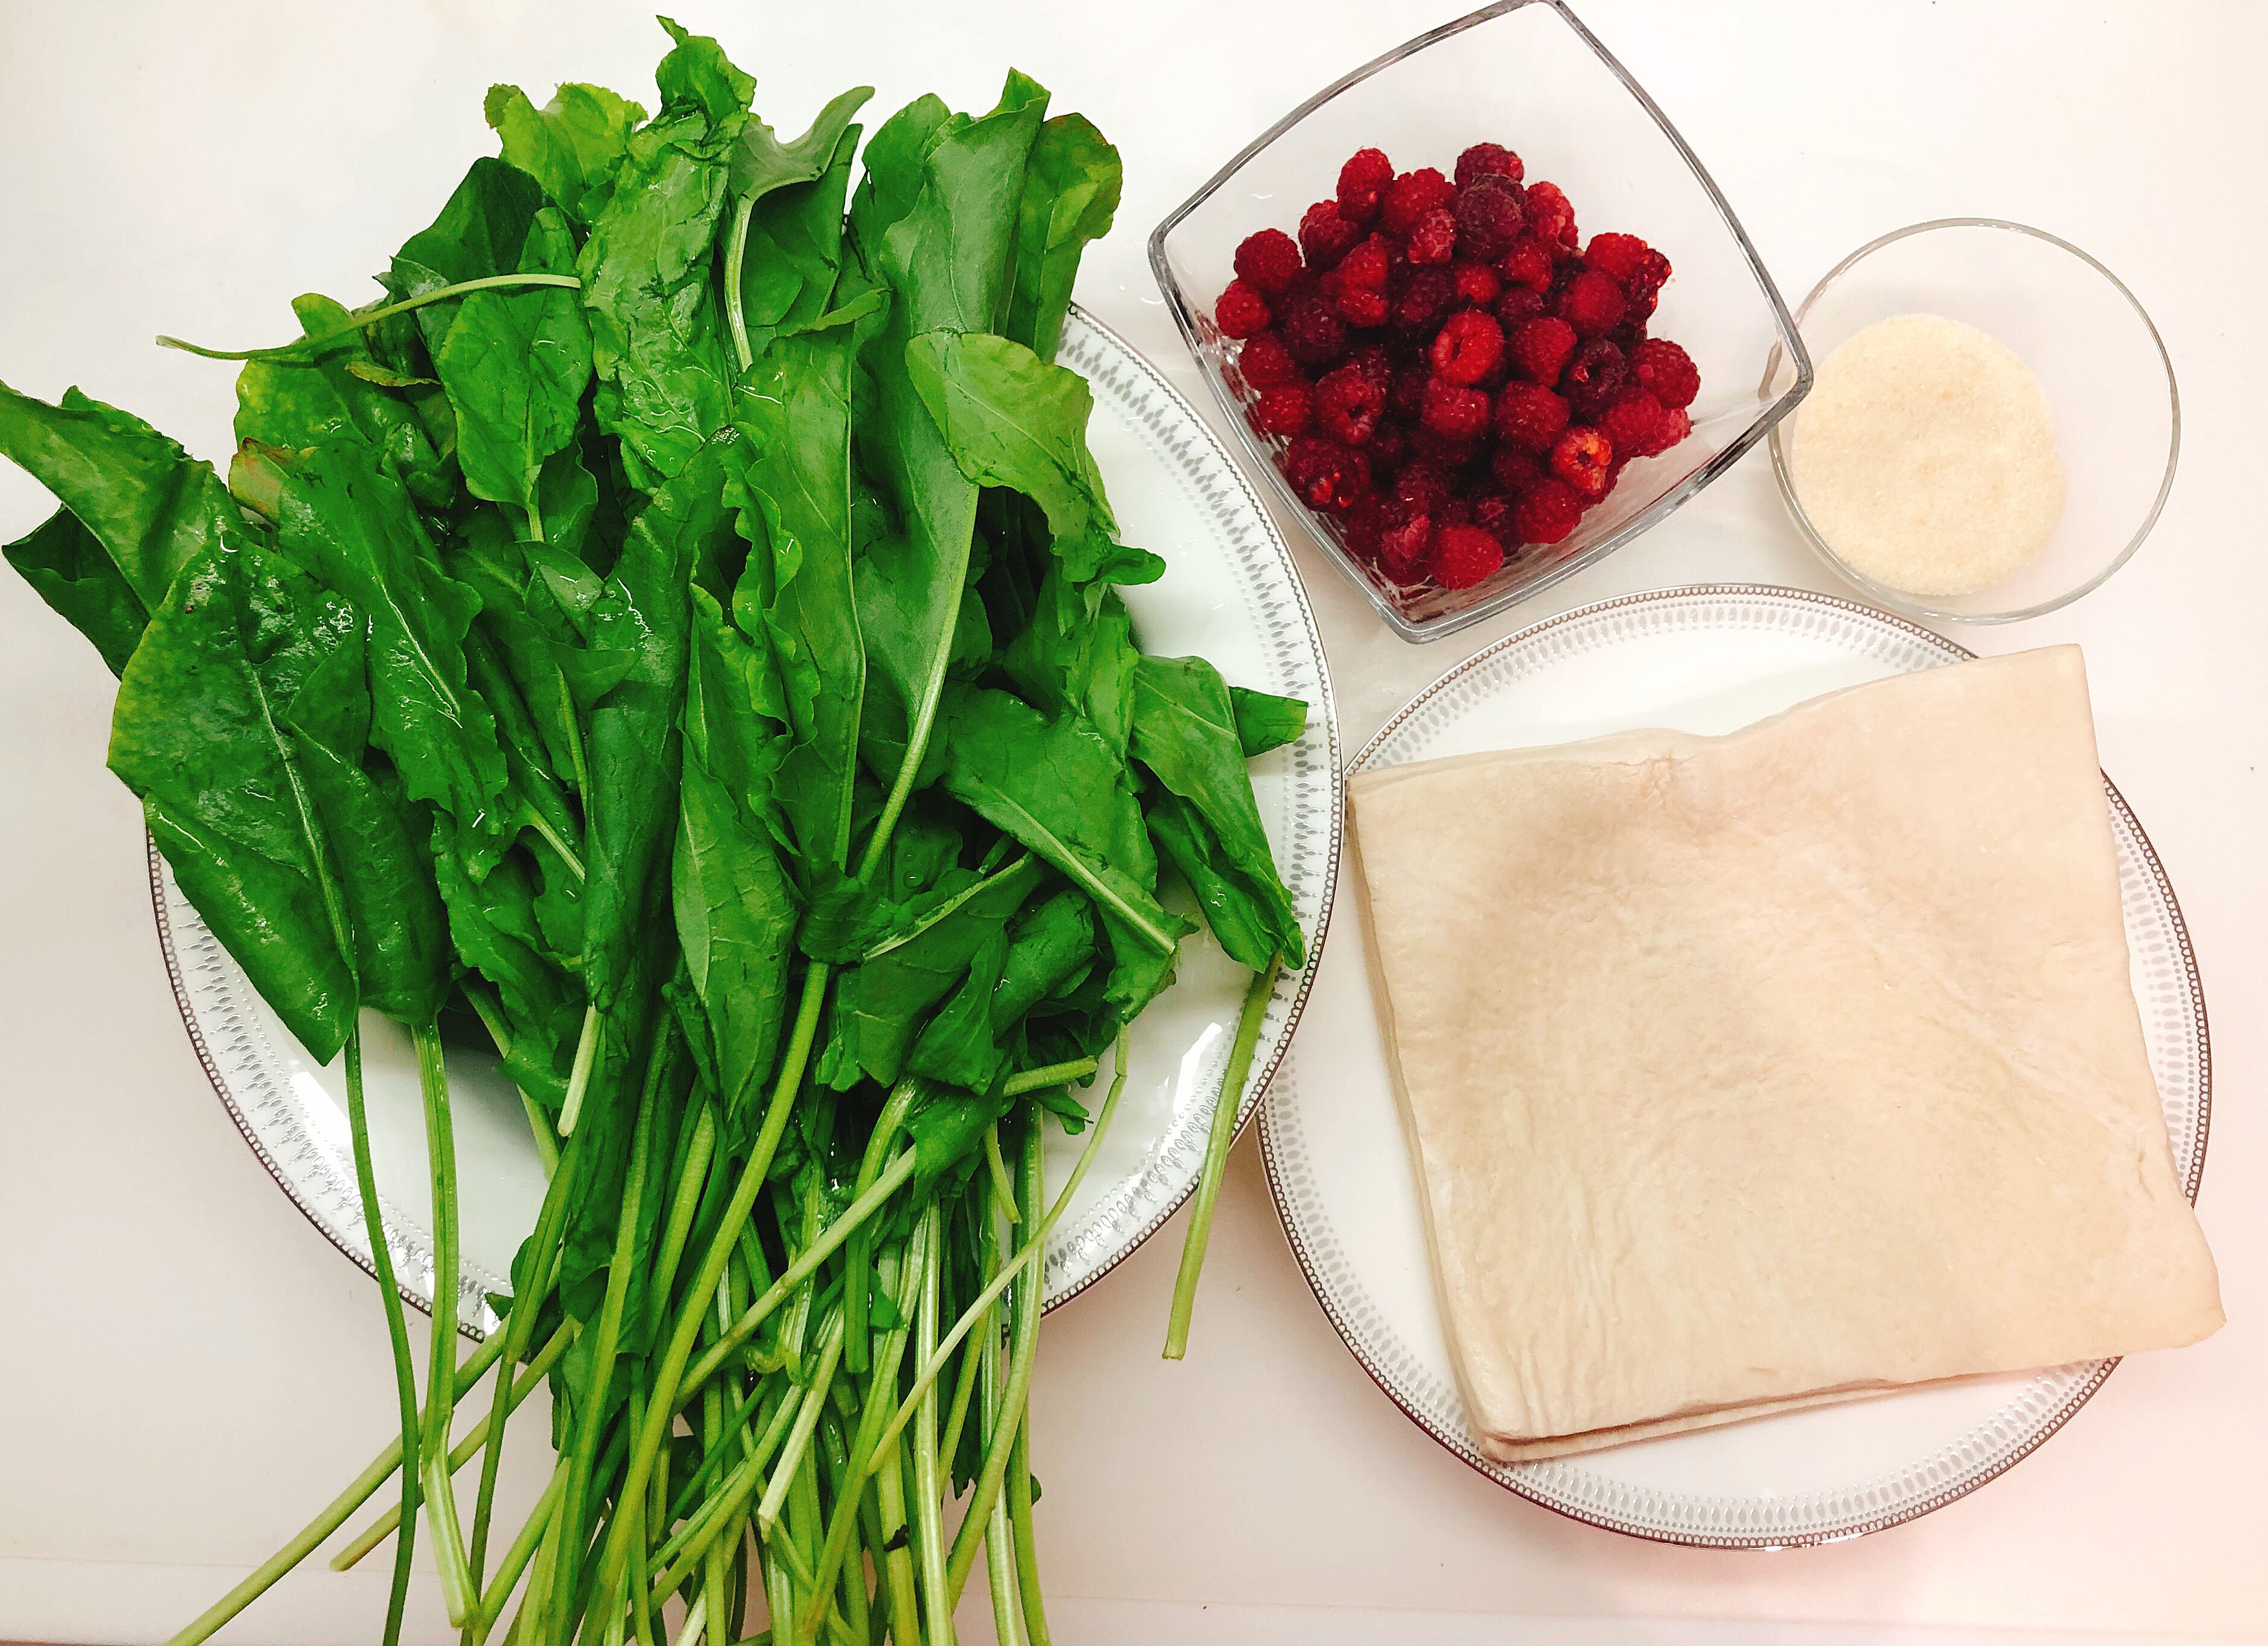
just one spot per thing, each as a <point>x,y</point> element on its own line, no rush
<point>1271,538</point>
<point>1456,1445</point>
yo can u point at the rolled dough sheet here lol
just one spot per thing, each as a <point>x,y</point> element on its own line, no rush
<point>1746,1073</point>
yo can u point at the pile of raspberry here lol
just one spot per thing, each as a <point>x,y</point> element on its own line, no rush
<point>1446,368</point>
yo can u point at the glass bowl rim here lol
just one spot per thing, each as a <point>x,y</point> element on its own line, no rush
<point>1907,603</point>
<point>1788,347</point>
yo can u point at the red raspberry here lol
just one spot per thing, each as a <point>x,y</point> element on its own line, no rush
<point>1645,283</point>
<point>1433,237</point>
<point>1546,511</point>
<point>1240,311</point>
<point>1447,452</point>
<point>1529,265</point>
<point>1515,470</point>
<point>1458,511</point>
<point>1285,410</point>
<point>1489,159</point>
<point>1358,305</point>
<point>1676,424</point>
<point>1517,304</point>
<point>1454,409</point>
<point>1492,513</point>
<point>1464,556</point>
<point>1581,459</point>
<point>1593,304</point>
<point>1389,445</point>
<point>1375,363</point>
<point>1313,331</point>
<point>1551,218</point>
<point>1413,194</point>
<point>1630,422</point>
<point>1325,475</point>
<point>1467,348</point>
<point>1530,416</point>
<point>1363,182</point>
<point>1402,545</point>
<point>1666,371</point>
<point>1615,255</point>
<point>1366,525</point>
<point>1405,395</point>
<point>1478,284</point>
<point>1421,487</point>
<point>1626,337</point>
<point>1326,236</point>
<point>1266,363</point>
<point>1541,348</point>
<point>1423,299</point>
<point>1489,218</point>
<point>1594,379</point>
<point>1269,262</point>
<point>1369,264</point>
<point>1348,402</point>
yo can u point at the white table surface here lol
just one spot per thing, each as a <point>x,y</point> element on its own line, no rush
<point>187,1368</point>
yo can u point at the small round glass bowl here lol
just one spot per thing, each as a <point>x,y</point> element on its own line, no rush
<point>2108,383</point>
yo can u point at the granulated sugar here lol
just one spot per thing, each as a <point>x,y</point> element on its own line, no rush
<point>1924,456</point>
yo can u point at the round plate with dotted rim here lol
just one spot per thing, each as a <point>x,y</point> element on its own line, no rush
<point>1707,659</point>
<point>1230,594</point>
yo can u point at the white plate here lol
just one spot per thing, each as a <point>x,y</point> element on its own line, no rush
<point>1708,659</point>
<point>1229,593</point>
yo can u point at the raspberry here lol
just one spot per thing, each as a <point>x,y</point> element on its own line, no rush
<point>1550,219</point>
<point>1593,378</point>
<point>1530,416</point>
<point>1369,264</point>
<point>1666,371</point>
<point>1405,395</point>
<point>1266,363</point>
<point>1325,475</point>
<point>1617,256</point>
<point>1453,409</point>
<point>1284,410</point>
<point>1626,337</point>
<point>1546,511</point>
<point>1517,304</point>
<point>1362,305</point>
<point>1313,331</point>
<point>1593,304</point>
<point>1644,285</point>
<point>1675,426</point>
<point>1492,513</point>
<point>1412,196</point>
<point>1269,262</point>
<point>1464,556</point>
<point>1326,236</point>
<point>1489,219</point>
<point>1240,311</point>
<point>1348,402</point>
<point>1527,265</point>
<point>1457,512</point>
<point>1447,452</point>
<point>1489,159</point>
<point>1478,284</point>
<point>1433,237</point>
<point>1363,182</point>
<point>1467,348</point>
<point>1581,459</point>
<point>1365,526</point>
<point>1421,487</point>
<point>1424,297</point>
<point>1515,470</point>
<point>1630,422</point>
<point>1389,444</point>
<point>1541,348</point>
<point>1402,545</point>
<point>1372,361</point>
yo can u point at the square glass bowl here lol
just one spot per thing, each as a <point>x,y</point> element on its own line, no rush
<point>1525,73</point>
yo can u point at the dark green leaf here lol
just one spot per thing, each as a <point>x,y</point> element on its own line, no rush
<point>1071,193</point>
<point>1266,721</point>
<point>1011,419</point>
<point>696,71</point>
<point>147,502</point>
<point>571,145</point>
<point>70,569</point>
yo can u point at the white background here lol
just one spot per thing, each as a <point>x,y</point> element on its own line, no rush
<point>187,1368</point>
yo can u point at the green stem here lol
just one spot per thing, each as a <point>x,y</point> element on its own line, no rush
<point>1030,1304</point>
<point>516,1556</point>
<point>999,1538</point>
<point>928,1488</point>
<point>973,1357</point>
<point>1019,1526</point>
<point>341,1509</point>
<point>534,817</point>
<point>859,1261</point>
<point>1222,1133</point>
<point>483,1439</point>
<point>1003,1190</point>
<point>285,351</point>
<point>397,1332</point>
<point>807,1424</point>
<point>579,1077</point>
<point>1051,1075</point>
<point>736,251</point>
<point>692,1178</point>
<point>458,1590</point>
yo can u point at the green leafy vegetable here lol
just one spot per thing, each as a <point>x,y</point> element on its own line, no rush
<point>79,581</point>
